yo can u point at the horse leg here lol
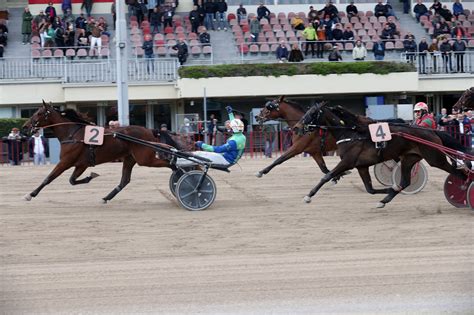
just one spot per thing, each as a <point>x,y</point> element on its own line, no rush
<point>288,154</point>
<point>78,172</point>
<point>58,170</point>
<point>367,180</point>
<point>406,165</point>
<point>128,164</point>
<point>340,168</point>
<point>318,157</point>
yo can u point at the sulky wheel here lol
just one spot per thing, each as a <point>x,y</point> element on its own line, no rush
<point>175,176</point>
<point>419,178</point>
<point>192,197</point>
<point>470,196</point>
<point>383,172</point>
<point>455,191</point>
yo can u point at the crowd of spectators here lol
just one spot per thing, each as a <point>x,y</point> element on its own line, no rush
<point>37,147</point>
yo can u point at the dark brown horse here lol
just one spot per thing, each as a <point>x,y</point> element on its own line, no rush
<point>312,143</point>
<point>68,126</point>
<point>358,151</point>
<point>466,101</point>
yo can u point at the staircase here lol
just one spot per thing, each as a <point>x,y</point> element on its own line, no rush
<point>15,47</point>
<point>223,47</point>
<point>408,22</point>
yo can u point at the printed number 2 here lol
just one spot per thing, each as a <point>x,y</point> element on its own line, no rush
<point>379,133</point>
<point>93,138</point>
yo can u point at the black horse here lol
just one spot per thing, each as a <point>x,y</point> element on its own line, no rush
<point>357,150</point>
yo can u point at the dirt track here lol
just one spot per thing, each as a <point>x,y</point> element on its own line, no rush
<point>258,250</point>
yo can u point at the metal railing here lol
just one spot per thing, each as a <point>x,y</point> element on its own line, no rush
<point>441,63</point>
<point>86,71</point>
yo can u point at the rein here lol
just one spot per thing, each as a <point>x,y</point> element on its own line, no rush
<point>65,123</point>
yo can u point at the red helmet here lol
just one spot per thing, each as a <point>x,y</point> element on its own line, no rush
<point>420,106</point>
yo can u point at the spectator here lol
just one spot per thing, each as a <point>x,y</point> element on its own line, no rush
<point>327,22</point>
<point>380,9</point>
<point>351,10</point>
<point>68,17</point>
<point>15,146</point>
<point>435,53</point>
<point>389,9</point>
<point>96,32</point>
<point>387,33</point>
<point>50,12</point>
<point>337,33</point>
<point>446,49</point>
<point>221,15</point>
<point>420,10</point>
<point>69,36</point>
<point>459,49</point>
<point>263,12</point>
<point>113,11</point>
<point>87,5</point>
<point>321,34</point>
<point>182,49</point>
<point>439,118</point>
<point>26,25</point>
<point>204,37</point>
<point>406,6</point>
<point>331,11</point>
<point>241,13</point>
<point>155,20</point>
<point>457,8</point>
<point>445,13</point>
<point>335,55</point>
<point>348,33</point>
<point>255,29</point>
<point>393,27</point>
<point>168,17</point>
<point>212,128</point>
<point>458,30</point>
<point>282,52</point>
<point>186,128</point>
<point>359,52</point>
<point>57,22</point>
<point>38,19</point>
<point>422,52</point>
<point>66,5</point>
<point>409,46</point>
<point>312,14</point>
<point>437,30</point>
<point>194,19</point>
<point>209,19</point>
<point>149,55</point>
<point>379,50</point>
<point>81,22</point>
<point>201,12</point>
<point>38,148</point>
<point>82,39</point>
<point>310,35</point>
<point>295,54</point>
<point>141,11</point>
<point>151,5</point>
<point>436,6</point>
<point>113,124</point>
<point>3,42</point>
<point>59,36</point>
<point>47,36</point>
<point>297,23</point>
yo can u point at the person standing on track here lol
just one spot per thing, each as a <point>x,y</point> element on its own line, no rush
<point>422,117</point>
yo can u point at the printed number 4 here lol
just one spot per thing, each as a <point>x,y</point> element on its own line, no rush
<point>379,133</point>
<point>93,137</point>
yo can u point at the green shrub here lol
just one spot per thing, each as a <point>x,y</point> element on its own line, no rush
<point>279,69</point>
<point>6,125</point>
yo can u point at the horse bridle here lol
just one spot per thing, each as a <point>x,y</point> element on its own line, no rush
<point>273,105</point>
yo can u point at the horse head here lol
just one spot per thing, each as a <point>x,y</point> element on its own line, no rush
<point>466,101</point>
<point>42,117</point>
<point>271,111</point>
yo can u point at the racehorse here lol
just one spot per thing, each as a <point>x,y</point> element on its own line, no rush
<point>357,150</point>
<point>68,126</point>
<point>466,101</point>
<point>314,143</point>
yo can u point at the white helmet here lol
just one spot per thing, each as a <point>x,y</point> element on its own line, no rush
<point>237,125</point>
<point>420,106</point>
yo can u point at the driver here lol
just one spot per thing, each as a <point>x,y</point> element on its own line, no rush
<point>227,154</point>
<point>422,117</point>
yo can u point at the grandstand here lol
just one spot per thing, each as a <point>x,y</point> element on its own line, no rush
<point>82,78</point>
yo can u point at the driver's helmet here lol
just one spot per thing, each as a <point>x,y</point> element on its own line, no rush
<point>420,106</point>
<point>237,125</point>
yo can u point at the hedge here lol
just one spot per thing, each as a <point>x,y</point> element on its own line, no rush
<point>6,125</point>
<point>279,69</point>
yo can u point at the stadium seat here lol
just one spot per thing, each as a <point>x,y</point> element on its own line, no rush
<point>35,40</point>
<point>35,54</point>
<point>70,53</point>
<point>138,52</point>
<point>369,45</point>
<point>231,16</point>
<point>245,28</point>
<point>36,46</point>
<point>244,48</point>
<point>207,50</point>
<point>81,53</point>
<point>277,27</point>
<point>58,53</point>
<point>389,46</point>
<point>194,42</point>
<point>281,15</point>
<point>104,52</point>
<point>192,36</point>
<point>399,45</point>
<point>168,30</point>
<point>47,53</point>
<point>348,46</point>
<point>161,51</point>
<point>93,52</point>
<point>170,36</point>
<point>196,51</point>
<point>253,49</point>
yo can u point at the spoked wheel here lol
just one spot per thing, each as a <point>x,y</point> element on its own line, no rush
<point>470,196</point>
<point>192,197</point>
<point>455,191</point>
<point>419,178</point>
<point>383,172</point>
<point>174,178</point>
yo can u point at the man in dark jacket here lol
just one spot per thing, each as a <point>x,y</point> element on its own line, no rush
<point>446,50</point>
<point>194,19</point>
<point>282,52</point>
<point>205,38</point>
<point>410,49</point>
<point>380,9</point>
<point>263,12</point>
<point>182,49</point>
<point>331,10</point>
<point>379,50</point>
<point>209,19</point>
<point>420,9</point>
<point>422,52</point>
<point>148,50</point>
<point>221,17</point>
<point>351,10</point>
<point>459,48</point>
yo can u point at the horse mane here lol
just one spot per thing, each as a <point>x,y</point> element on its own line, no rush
<point>295,105</point>
<point>350,119</point>
<point>74,116</point>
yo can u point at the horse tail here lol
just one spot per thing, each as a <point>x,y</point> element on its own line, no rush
<point>451,142</point>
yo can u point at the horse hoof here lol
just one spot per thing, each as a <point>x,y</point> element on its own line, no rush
<point>259,174</point>
<point>307,199</point>
<point>104,201</point>
<point>380,205</point>
<point>94,175</point>
<point>27,197</point>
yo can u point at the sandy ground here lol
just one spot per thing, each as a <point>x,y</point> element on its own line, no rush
<point>258,250</point>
